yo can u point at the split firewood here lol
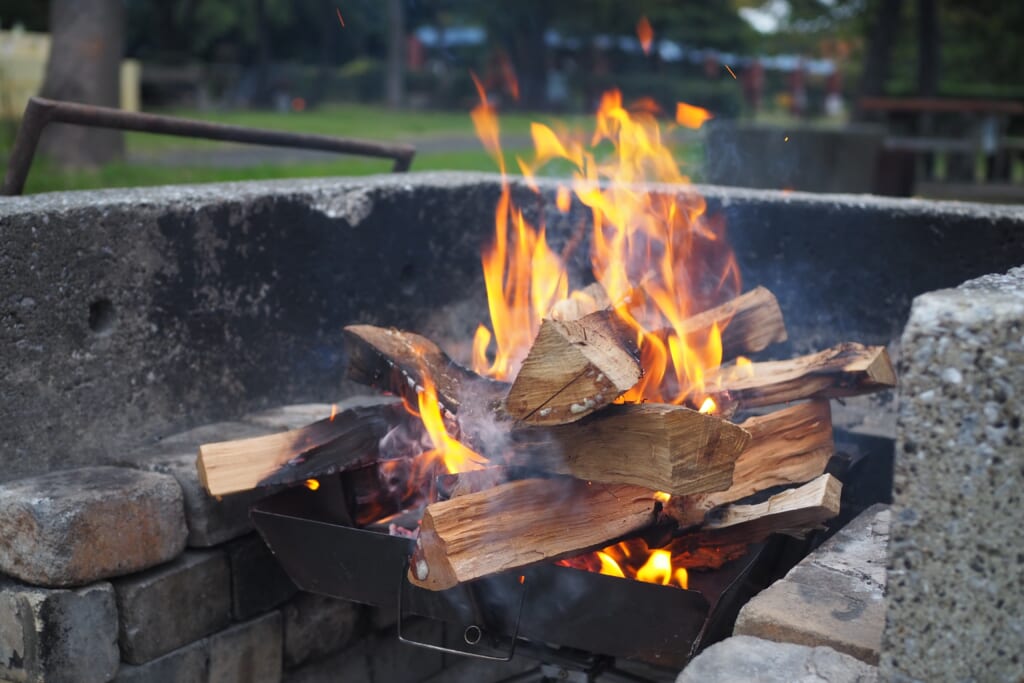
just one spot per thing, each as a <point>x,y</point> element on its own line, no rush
<point>346,440</point>
<point>656,446</point>
<point>522,523</point>
<point>574,368</point>
<point>804,507</point>
<point>847,369</point>
<point>581,302</point>
<point>749,323</point>
<point>788,446</point>
<point>397,361</point>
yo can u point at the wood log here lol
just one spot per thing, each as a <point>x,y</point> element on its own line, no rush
<point>581,302</point>
<point>803,507</point>
<point>335,444</point>
<point>749,323</point>
<point>847,369</point>
<point>521,523</point>
<point>397,361</point>
<point>788,446</point>
<point>656,446</point>
<point>454,485</point>
<point>574,368</point>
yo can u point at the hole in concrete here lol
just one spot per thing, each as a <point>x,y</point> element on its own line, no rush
<point>102,317</point>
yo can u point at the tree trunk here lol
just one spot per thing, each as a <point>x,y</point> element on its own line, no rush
<point>881,38</point>
<point>84,66</point>
<point>396,53</point>
<point>928,48</point>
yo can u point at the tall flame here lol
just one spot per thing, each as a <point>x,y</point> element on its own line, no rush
<point>455,456</point>
<point>657,255</point>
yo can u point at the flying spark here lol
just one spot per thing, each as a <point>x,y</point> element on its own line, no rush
<point>339,17</point>
<point>731,73</point>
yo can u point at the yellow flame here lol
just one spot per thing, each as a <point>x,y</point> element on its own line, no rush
<point>456,456</point>
<point>708,406</point>
<point>563,200</point>
<point>312,484</point>
<point>609,566</point>
<point>690,116</point>
<point>657,569</point>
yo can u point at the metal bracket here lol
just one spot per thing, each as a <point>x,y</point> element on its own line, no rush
<point>40,111</point>
<point>473,634</point>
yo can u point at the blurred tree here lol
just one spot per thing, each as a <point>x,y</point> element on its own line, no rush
<point>885,26</point>
<point>396,53</point>
<point>84,66</point>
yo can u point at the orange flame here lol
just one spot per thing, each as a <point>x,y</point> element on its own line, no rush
<point>658,255</point>
<point>691,116</point>
<point>455,456</point>
<point>645,33</point>
<point>312,484</point>
<point>632,560</point>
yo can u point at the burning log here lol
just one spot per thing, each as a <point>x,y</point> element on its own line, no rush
<point>797,509</point>
<point>397,361</point>
<point>749,323</point>
<point>521,523</point>
<point>789,446</point>
<point>582,302</point>
<point>659,447</point>
<point>847,369</point>
<point>346,440</point>
<point>574,368</point>
<point>454,485</point>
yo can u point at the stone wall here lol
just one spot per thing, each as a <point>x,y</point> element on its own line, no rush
<point>128,315</point>
<point>956,569</point>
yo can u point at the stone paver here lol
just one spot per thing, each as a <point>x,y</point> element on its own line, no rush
<point>250,652</point>
<point>167,607</point>
<point>57,635</point>
<point>745,659</point>
<point>77,526</point>
<point>316,626</point>
<point>258,583</point>
<point>188,664</point>
<point>834,597</point>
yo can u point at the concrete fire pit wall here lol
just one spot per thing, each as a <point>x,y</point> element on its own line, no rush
<point>131,314</point>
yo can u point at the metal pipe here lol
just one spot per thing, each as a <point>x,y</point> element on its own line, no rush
<point>39,112</point>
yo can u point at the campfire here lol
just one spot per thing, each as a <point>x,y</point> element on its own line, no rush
<point>616,427</point>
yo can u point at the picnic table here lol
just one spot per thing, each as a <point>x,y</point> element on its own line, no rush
<point>959,129</point>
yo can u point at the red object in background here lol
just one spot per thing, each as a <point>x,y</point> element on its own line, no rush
<point>415,57</point>
<point>753,85</point>
<point>798,90</point>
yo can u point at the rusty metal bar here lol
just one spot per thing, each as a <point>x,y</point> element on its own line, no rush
<point>39,112</point>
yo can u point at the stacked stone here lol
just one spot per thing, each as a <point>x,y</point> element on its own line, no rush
<point>132,573</point>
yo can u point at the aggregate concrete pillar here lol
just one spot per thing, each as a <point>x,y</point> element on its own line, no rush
<point>956,575</point>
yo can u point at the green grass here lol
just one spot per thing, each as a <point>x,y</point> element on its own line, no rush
<point>354,120</point>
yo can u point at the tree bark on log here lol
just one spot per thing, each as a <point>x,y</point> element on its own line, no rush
<point>788,446</point>
<point>847,369</point>
<point>574,368</point>
<point>659,447</point>
<point>350,439</point>
<point>522,523</point>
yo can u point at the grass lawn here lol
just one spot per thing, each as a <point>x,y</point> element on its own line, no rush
<point>354,120</point>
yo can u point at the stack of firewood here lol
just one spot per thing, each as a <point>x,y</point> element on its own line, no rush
<point>576,471</point>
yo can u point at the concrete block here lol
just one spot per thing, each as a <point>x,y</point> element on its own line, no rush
<point>834,597</point>
<point>211,521</point>
<point>57,636</point>
<point>188,664</point>
<point>316,626</point>
<point>956,607</point>
<point>302,414</point>
<point>753,660</point>
<point>258,583</point>
<point>192,439</point>
<point>249,652</point>
<point>77,526</point>
<point>165,608</point>
<point>352,665</point>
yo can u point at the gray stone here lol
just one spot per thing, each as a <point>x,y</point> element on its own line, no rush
<point>317,625</point>
<point>249,652</point>
<point>351,665</point>
<point>258,583</point>
<point>192,439</point>
<point>391,660</point>
<point>834,597</point>
<point>57,636</point>
<point>956,570</point>
<point>76,526</point>
<point>465,670</point>
<point>164,608</point>
<point>204,309</point>
<point>745,659</point>
<point>211,521</point>
<point>302,414</point>
<point>188,664</point>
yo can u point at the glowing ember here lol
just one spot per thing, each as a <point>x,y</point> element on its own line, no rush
<point>312,484</point>
<point>645,33</point>
<point>334,411</point>
<point>691,116</point>
<point>632,560</point>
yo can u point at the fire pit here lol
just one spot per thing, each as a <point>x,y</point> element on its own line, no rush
<point>147,304</point>
<point>593,431</point>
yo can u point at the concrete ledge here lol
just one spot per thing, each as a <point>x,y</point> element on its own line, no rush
<point>752,660</point>
<point>834,597</point>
